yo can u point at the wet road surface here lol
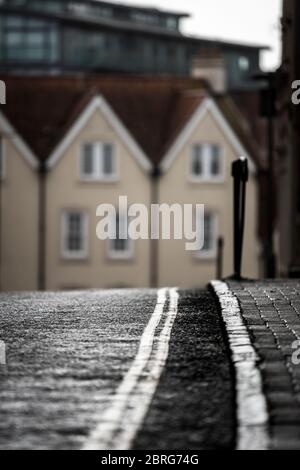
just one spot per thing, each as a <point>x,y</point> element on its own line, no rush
<point>144,369</point>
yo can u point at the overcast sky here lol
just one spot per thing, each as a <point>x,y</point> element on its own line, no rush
<point>251,21</point>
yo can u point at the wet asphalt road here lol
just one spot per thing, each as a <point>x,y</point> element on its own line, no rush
<point>193,407</point>
<point>68,353</point>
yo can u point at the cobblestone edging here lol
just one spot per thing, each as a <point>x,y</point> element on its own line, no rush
<point>271,311</point>
<point>252,415</point>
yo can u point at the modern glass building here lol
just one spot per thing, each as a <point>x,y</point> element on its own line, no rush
<point>96,36</point>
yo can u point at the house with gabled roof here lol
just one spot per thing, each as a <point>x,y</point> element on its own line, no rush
<point>19,206</point>
<point>93,139</point>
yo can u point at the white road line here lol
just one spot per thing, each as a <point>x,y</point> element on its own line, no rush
<point>146,387</point>
<point>119,424</point>
<point>252,414</point>
<point>2,353</point>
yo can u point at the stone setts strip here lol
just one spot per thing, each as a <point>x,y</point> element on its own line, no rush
<point>252,415</point>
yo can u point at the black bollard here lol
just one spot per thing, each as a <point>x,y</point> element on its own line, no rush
<point>220,255</point>
<point>240,176</point>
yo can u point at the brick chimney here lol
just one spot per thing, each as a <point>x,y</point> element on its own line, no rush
<point>209,65</point>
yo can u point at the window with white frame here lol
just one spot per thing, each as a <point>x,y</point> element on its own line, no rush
<point>122,246</point>
<point>74,235</point>
<point>209,249</point>
<point>98,162</point>
<point>206,163</point>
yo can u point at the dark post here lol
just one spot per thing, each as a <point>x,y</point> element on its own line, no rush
<point>42,228</point>
<point>240,178</point>
<point>154,253</point>
<point>268,111</point>
<point>220,258</point>
<point>271,262</point>
<point>1,220</point>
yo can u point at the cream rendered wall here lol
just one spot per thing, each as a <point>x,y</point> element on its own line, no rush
<point>19,222</point>
<point>66,191</point>
<point>179,267</point>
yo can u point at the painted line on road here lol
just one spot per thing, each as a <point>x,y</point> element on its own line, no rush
<point>119,424</point>
<point>252,414</point>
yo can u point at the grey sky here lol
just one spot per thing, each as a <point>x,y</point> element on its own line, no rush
<point>250,21</point>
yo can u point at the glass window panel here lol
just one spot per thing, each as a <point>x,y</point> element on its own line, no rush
<point>172,23</point>
<point>75,232</point>
<point>215,160</point>
<point>119,244</point>
<point>14,39</point>
<point>53,37</point>
<point>35,53</point>
<point>197,160</point>
<point>108,163</point>
<point>53,42</point>
<point>51,6</point>
<point>244,63</point>
<point>14,21</point>
<point>15,53</point>
<point>88,160</point>
<point>35,39</point>
<point>36,24</point>
<point>106,12</point>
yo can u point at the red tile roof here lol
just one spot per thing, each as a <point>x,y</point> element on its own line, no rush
<point>154,110</point>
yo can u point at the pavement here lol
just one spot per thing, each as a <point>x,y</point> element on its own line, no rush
<point>271,311</point>
<point>146,369</point>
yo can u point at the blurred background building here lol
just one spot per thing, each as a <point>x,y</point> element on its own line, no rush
<point>94,36</point>
<point>105,100</point>
<point>288,142</point>
<point>72,143</point>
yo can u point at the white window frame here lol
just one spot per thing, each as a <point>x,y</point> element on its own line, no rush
<point>127,254</point>
<point>3,156</point>
<point>212,253</point>
<point>65,252</point>
<point>98,175</point>
<point>206,176</point>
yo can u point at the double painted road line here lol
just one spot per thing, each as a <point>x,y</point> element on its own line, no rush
<point>252,414</point>
<point>118,425</point>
